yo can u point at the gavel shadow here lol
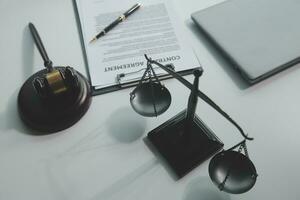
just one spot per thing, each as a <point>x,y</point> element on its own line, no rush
<point>27,53</point>
<point>9,119</point>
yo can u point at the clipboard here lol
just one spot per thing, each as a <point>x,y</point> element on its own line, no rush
<point>135,83</point>
<point>119,84</point>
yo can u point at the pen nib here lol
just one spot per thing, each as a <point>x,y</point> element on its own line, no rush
<point>94,39</point>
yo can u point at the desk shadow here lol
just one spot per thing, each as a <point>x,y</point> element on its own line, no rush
<point>27,53</point>
<point>202,188</point>
<point>219,56</point>
<point>125,125</point>
<point>58,192</point>
<point>126,180</point>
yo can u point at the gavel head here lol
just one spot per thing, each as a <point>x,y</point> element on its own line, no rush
<point>57,82</point>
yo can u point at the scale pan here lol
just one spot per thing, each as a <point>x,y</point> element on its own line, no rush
<point>240,171</point>
<point>150,99</point>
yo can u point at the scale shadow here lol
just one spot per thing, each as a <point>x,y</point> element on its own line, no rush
<point>125,125</point>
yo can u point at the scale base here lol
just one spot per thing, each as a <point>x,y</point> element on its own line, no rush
<point>49,117</point>
<point>183,151</point>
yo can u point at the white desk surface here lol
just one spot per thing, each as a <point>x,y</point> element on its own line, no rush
<point>103,156</point>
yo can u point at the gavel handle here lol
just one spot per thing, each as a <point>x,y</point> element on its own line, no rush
<point>40,46</point>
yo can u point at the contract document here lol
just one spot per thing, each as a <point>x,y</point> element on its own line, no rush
<point>118,57</point>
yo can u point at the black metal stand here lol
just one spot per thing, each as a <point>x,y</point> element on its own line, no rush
<point>183,152</point>
<point>185,141</point>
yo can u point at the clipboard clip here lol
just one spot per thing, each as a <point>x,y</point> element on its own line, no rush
<point>131,78</point>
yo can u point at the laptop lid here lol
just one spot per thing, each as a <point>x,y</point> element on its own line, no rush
<point>260,37</point>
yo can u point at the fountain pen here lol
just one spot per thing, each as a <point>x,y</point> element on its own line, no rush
<point>116,22</point>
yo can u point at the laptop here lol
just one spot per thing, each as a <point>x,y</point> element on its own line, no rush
<point>259,37</point>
